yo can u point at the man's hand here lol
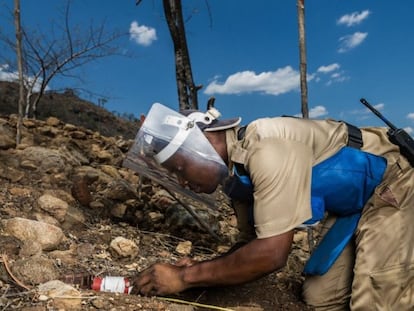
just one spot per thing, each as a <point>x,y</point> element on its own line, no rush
<point>159,279</point>
<point>249,262</point>
<point>186,262</point>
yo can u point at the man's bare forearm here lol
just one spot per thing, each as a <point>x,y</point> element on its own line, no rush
<point>253,260</point>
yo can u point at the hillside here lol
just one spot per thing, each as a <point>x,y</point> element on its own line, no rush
<point>70,211</point>
<point>68,107</point>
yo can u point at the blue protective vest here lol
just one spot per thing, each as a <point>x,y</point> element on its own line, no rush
<point>341,185</point>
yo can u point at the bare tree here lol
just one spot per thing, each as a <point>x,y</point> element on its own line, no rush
<point>303,83</point>
<point>187,90</point>
<point>302,56</point>
<point>46,56</point>
<point>20,67</point>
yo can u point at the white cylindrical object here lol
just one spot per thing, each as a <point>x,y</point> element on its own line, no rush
<point>114,284</point>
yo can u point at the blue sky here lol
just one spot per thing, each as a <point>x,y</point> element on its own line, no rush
<point>246,55</point>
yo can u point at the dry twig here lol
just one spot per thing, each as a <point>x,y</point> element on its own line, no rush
<point>15,279</point>
<point>196,304</point>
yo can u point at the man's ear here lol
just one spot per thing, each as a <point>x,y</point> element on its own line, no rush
<point>218,140</point>
<point>215,136</point>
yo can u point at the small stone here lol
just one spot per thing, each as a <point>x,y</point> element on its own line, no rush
<point>96,205</point>
<point>155,216</point>
<point>54,206</point>
<point>64,296</point>
<point>99,303</point>
<point>28,165</point>
<point>124,247</point>
<point>43,298</point>
<point>48,236</point>
<point>35,270</point>
<point>222,249</point>
<point>184,248</point>
<point>78,135</point>
<point>7,143</point>
<point>118,210</point>
<point>52,121</point>
<point>17,191</point>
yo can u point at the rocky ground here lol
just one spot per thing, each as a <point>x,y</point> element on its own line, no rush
<point>70,211</point>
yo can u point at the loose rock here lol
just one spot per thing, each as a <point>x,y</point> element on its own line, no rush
<point>124,247</point>
<point>64,296</point>
<point>48,236</point>
<point>54,206</point>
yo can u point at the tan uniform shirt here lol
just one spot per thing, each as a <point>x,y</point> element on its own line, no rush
<point>279,154</point>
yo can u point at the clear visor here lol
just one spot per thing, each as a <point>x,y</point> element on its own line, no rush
<point>167,134</point>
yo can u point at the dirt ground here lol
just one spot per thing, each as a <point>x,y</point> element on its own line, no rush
<point>90,226</point>
<point>278,291</point>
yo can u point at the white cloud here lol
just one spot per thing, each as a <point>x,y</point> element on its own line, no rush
<point>349,42</point>
<point>142,35</point>
<point>337,77</point>
<point>354,18</point>
<point>13,76</point>
<point>409,130</point>
<point>6,75</point>
<point>317,111</point>
<point>411,116</point>
<point>365,113</point>
<point>328,68</point>
<point>379,107</point>
<point>277,82</point>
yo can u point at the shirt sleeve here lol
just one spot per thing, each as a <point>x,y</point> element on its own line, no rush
<point>280,170</point>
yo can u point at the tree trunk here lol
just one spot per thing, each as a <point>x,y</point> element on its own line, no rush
<point>28,99</point>
<point>20,67</point>
<point>187,91</point>
<point>302,56</point>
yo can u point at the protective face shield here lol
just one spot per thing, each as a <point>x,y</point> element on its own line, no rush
<point>176,142</point>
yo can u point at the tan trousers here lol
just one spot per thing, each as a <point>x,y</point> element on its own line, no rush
<point>376,270</point>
